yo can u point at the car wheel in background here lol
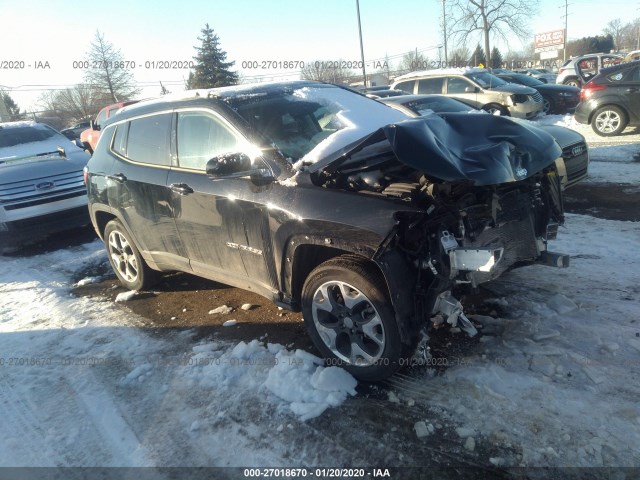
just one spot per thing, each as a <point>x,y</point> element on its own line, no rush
<point>127,263</point>
<point>494,109</point>
<point>608,121</point>
<point>573,82</point>
<point>547,105</point>
<point>350,319</point>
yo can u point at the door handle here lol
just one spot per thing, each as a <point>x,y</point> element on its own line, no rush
<point>181,188</point>
<point>118,177</point>
<point>632,89</point>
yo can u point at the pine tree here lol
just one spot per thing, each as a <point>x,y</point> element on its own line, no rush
<point>496,58</point>
<point>211,70</point>
<point>478,57</point>
<point>10,105</point>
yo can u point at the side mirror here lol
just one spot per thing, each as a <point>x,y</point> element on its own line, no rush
<point>228,164</point>
<point>78,143</point>
<point>471,90</point>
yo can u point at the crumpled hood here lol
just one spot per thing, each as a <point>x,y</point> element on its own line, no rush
<point>481,149</point>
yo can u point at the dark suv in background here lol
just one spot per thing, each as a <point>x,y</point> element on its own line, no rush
<point>329,202</point>
<point>611,100</point>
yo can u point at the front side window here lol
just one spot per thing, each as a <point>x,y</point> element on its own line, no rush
<point>148,140</point>
<point>457,85</point>
<point>201,137</point>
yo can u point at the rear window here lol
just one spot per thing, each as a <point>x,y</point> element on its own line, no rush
<point>12,136</point>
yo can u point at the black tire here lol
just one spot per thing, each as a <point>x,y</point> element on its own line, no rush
<point>369,323</point>
<point>573,82</point>
<point>126,261</point>
<point>608,121</point>
<point>494,107</point>
<point>547,105</point>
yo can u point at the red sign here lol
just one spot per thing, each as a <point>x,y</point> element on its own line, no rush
<point>549,38</point>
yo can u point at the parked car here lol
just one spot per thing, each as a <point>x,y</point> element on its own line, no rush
<point>90,136</point>
<point>384,93</point>
<point>476,87</point>
<point>611,100</point>
<point>41,184</point>
<point>75,130</point>
<point>555,98</point>
<point>572,167</point>
<point>631,56</point>
<point>578,70</point>
<point>329,202</point>
<point>544,77</point>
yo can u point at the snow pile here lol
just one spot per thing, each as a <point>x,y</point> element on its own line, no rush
<point>126,296</point>
<point>224,309</point>
<point>297,379</point>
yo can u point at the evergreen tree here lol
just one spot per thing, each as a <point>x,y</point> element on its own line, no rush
<point>478,57</point>
<point>211,70</point>
<point>10,105</point>
<point>496,58</point>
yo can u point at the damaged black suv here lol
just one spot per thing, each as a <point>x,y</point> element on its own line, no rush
<point>328,202</point>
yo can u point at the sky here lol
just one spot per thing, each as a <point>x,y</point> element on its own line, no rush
<point>57,35</point>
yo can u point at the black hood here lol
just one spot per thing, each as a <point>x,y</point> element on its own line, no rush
<point>450,147</point>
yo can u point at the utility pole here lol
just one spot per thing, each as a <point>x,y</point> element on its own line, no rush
<point>364,72</point>
<point>566,23</point>
<point>444,29</point>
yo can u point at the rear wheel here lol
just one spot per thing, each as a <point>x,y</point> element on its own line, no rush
<point>573,82</point>
<point>547,105</point>
<point>608,121</point>
<point>127,263</point>
<point>349,318</point>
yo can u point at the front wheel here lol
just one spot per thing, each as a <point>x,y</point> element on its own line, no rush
<point>349,318</point>
<point>125,259</point>
<point>547,105</point>
<point>573,82</point>
<point>608,121</point>
<point>495,109</point>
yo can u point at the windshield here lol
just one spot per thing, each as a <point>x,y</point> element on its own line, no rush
<point>17,135</point>
<point>310,122</point>
<point>485,80</point>
<point>438,105</point>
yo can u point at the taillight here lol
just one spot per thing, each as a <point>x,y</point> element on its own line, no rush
<point>85,174</point>
<point>588,89</point>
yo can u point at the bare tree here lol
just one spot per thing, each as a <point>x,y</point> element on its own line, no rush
<point>491,18</point>
<point>413,61</point>
<point>614,28</point>
<point>630,35</point>
<point>109,71</point>
<point>459,57</point>
<point>331,71</point>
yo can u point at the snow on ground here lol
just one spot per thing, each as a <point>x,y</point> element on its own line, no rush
<point>83,384</point>
<point>557,375</point>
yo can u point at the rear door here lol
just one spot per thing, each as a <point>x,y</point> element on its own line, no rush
<point>139,177</point>
<point>627,87</point>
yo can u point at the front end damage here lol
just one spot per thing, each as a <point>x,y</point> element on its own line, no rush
<point>485,197</point>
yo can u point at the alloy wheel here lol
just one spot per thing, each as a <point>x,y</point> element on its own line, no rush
<point>348,323</point>
<point>607,121</point>
<point>122,256</point>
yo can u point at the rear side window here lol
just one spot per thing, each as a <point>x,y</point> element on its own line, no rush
<point>405,86</point>
<point>201,137</point>
<point>631,75</point>
<point>148,140</point>
<point>430,85</point>
<point>457,85</point>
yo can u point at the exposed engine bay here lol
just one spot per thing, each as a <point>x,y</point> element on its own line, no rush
<point>466,230</point>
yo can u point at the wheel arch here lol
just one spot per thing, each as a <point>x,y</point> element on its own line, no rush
<point>610,104</point>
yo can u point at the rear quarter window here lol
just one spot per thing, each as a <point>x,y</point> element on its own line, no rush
<point>149,140</point>
<point>631,75</point>
<point>406,86</point>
